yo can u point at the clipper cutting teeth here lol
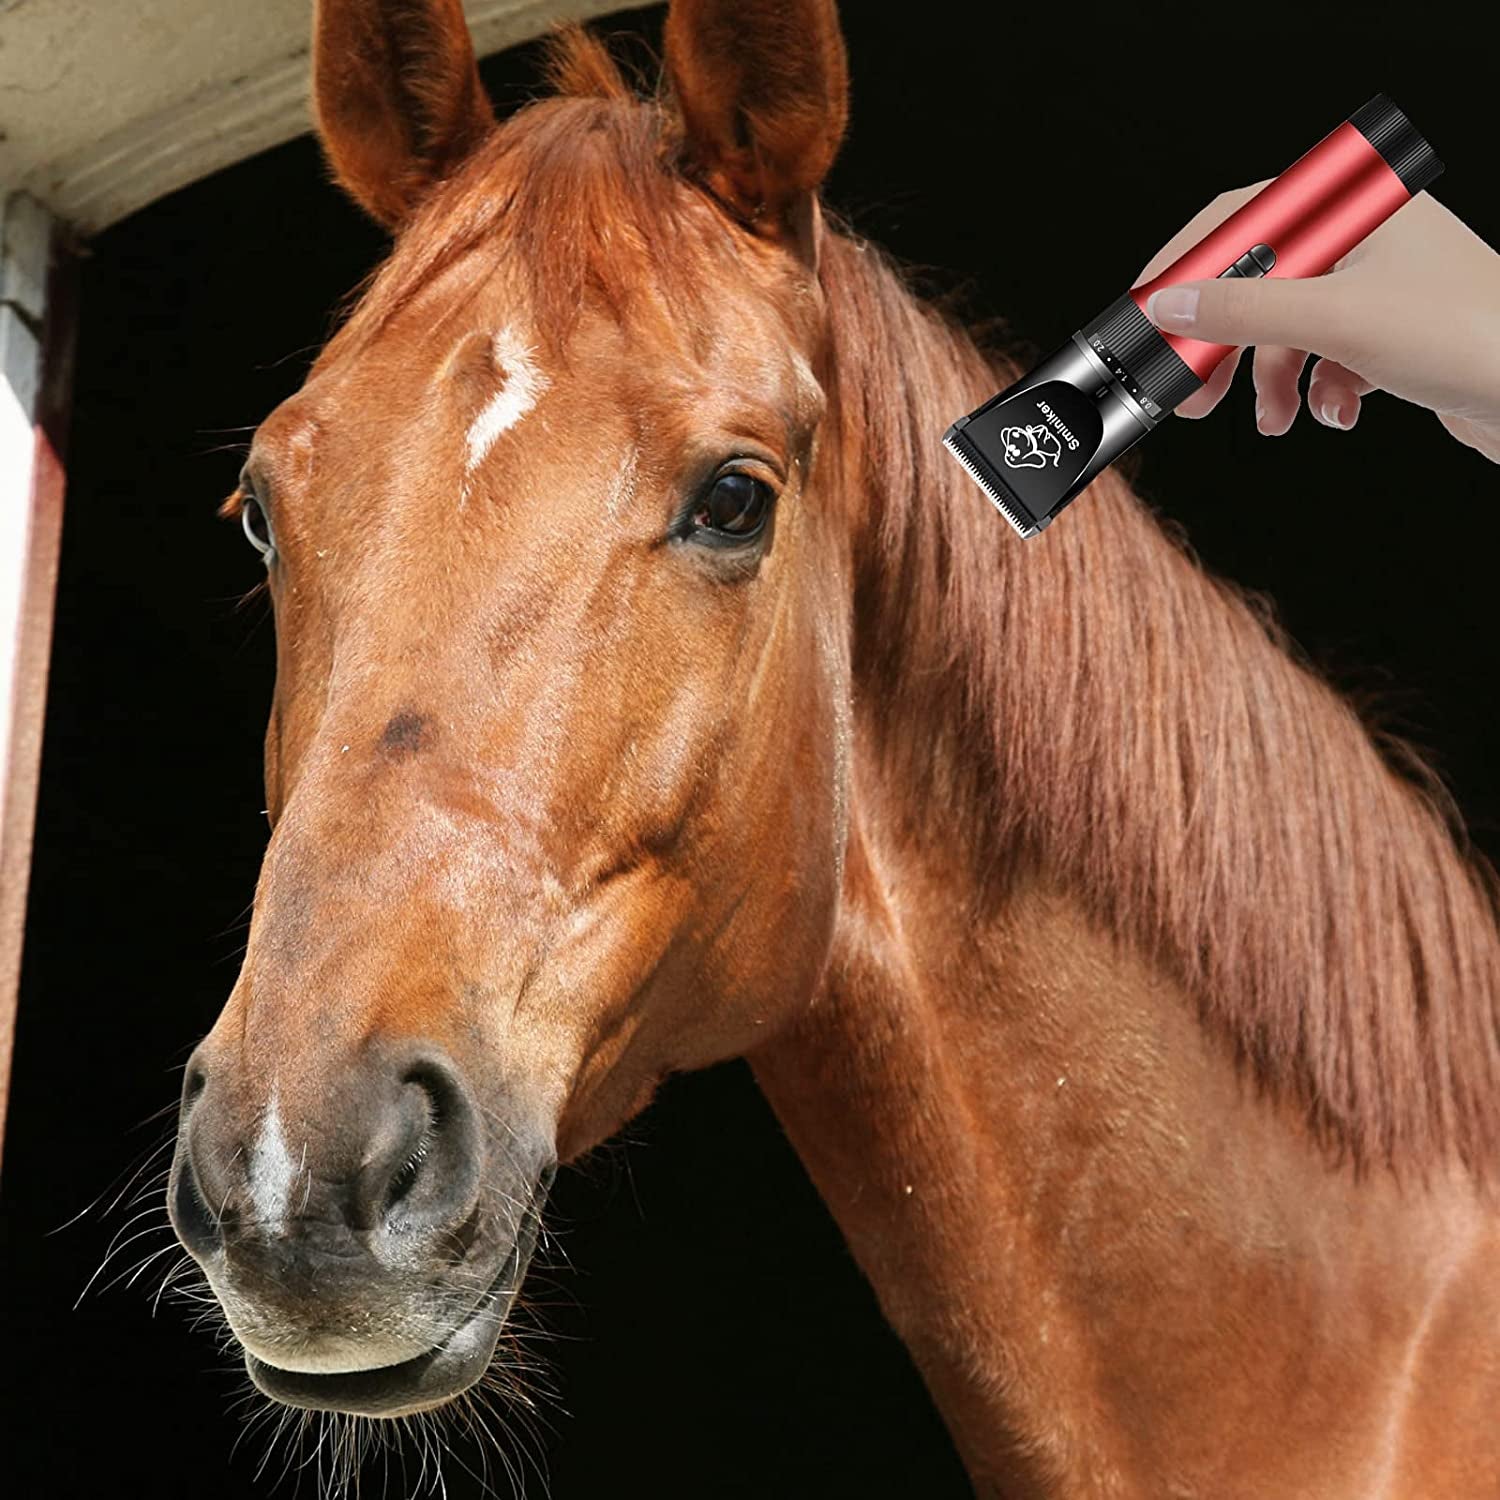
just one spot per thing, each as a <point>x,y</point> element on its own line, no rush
<point>1024,528</point>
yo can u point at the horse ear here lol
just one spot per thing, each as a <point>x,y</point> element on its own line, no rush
<point>397,97</point>
<point>762,87</point>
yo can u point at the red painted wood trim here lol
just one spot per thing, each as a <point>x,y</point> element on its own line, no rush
<point>34,645</point>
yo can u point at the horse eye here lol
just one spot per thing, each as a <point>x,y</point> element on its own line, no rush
<point>734,509</point>
<point>256,526</point>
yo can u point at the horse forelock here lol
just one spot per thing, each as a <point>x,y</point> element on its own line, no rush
<point>575,196</point>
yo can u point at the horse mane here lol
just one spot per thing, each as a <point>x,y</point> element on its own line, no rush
<point>1147,733</point>
<point>1091,701</point>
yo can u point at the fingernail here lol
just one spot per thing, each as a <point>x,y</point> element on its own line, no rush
<point>1340,416</point>
<point>1260,416</point>
<point>1173,307</point>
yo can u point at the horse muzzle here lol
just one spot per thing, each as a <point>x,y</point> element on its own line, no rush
<point>429,1379</point>
<point>365,1238</point>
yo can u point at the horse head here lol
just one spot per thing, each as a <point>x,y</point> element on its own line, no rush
<point>557,760</point>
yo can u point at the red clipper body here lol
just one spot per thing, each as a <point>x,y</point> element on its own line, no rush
<point>1311,216</point>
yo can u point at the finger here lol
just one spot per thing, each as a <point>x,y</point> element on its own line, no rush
<point>1301,313</point>
<point>1277,371</point>
<point>1334,392</point>
<point>1203,400</point>
<point>1208,217</point>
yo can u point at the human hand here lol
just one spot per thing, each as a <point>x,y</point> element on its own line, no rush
<point>1413,310</point>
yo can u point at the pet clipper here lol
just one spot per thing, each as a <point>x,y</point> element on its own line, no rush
<point>1038,444</point>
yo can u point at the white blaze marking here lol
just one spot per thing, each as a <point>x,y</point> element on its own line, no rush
<point>522,387</point>
<point>271,1169</point>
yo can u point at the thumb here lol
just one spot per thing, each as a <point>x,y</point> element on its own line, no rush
<point>1299,313</point>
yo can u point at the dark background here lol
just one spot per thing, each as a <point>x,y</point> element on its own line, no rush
<point>713,1336</point>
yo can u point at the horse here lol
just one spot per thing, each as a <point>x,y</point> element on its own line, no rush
<point>653,690</point>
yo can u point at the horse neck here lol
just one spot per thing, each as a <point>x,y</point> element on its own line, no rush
<point>1105,1256</point>
<point>1022,1087</point>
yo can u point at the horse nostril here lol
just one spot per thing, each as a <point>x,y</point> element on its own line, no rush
<point>423,1169</point>
<point>192,1085</point>
<point>401,1184</point>
<point>196,1224</point>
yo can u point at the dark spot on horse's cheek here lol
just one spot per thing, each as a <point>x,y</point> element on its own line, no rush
<point>406,734</point>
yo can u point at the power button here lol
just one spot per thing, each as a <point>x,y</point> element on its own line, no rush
<point>1256,261</point>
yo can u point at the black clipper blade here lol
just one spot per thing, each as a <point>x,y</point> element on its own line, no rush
<point>1004,499</point>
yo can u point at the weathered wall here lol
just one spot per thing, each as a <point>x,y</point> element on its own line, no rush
<point>106,105</point>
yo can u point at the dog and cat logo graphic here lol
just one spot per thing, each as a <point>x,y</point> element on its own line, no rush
<point>1031,447</point>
